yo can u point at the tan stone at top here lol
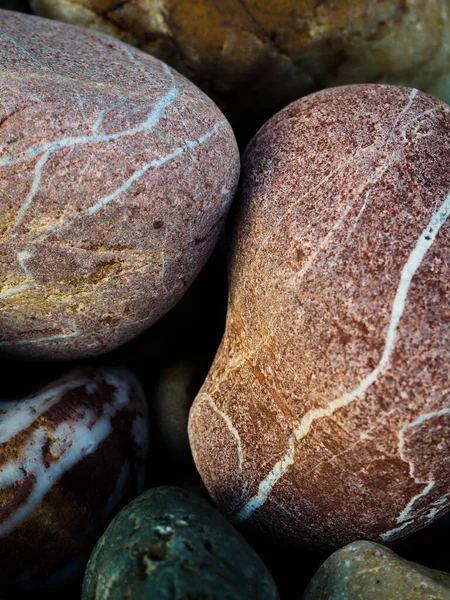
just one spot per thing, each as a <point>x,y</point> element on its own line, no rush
<point>116,174</point>
<point>255,56</point>
<point>325,417</point>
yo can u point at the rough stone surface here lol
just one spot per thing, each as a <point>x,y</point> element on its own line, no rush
<point>170,544</point>
<point>325,417</point>
<point>369,571</point>
<point>71,455</point>
<point>255,56</point>
<point>116,175</point>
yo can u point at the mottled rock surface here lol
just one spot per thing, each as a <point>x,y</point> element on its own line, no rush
<point>255,56</point>
<point>71,455</point>
<point>169,544</point>
<point>369,571</point>
<point>116,174</point>
<point>325,417</point>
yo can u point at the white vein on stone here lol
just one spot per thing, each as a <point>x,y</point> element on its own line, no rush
<point>69,442</point>
<point>48,149</point>
<point>18,415</point>
<point>154,164</point>
<point>410,268</point>
<point>14,290</point>
<point>232,429</point>
<point>72,334</point>
<point>409,103</point>
<point>406,517</point>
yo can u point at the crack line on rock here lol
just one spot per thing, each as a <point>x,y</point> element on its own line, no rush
<point>410,268</point>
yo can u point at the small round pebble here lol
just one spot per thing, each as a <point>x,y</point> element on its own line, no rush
<point>170,544</point>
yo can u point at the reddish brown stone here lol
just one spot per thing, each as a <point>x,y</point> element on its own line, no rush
<point>116,174</point>
<point>325,417</point>
<point>71,455</point>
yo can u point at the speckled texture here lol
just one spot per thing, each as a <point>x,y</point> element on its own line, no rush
<point>368,571</point>
<point>255,56</point>
<point>170,544</point>
<point>71,455</point>
<point>116,175</point>
<point>325,416</point>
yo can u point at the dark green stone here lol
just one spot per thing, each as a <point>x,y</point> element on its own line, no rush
<point>171,545</point>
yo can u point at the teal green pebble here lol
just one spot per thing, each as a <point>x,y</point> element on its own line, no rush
<point>171,545</point>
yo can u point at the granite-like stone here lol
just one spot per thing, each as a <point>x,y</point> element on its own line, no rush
<point>71,455</point>
<point>325,417</point>
<point>170,544</point>
<point>368,571</point>
<point>116,174</point>
<point>255,56</point>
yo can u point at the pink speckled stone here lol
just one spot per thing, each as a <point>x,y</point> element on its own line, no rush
<point>326,415</point>
<point>116,174</point>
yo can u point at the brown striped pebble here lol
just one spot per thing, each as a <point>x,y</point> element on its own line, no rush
<point>325,417</point>
<point>71,455</point>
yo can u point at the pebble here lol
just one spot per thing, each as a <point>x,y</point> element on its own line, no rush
<point>71,455</point>
<point>325,417</point>
<point>116,173</point>
<point>170,544</point>
<point>369,571</point>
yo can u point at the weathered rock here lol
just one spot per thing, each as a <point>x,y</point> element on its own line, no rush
<point>71,455</point>
<point>116,175</point>
<point>325,417</point>
<point>170,544</point>
<point>255,56</point>
<point>369,571</point>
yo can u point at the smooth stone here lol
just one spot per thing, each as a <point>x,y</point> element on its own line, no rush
<point>71,456</point>
<point>325,416</point>
<point>369,571</point>
<point>174,393</point>
<point>255,56</point>
<point>116,176</point>
<point>170,544</point>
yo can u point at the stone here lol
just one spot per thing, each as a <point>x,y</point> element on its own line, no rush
<point>71,455</point>
<point>116,176</point>
<point>325,417</point>
<point>174,393</point>
<point>255,56</point>
<point>369,571</point>
<point>170,544</point>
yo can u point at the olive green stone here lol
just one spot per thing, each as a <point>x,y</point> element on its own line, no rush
<point>171,545</point>
<point>369,571</point>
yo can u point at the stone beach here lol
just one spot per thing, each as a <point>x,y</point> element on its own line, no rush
<point>224,383</point>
